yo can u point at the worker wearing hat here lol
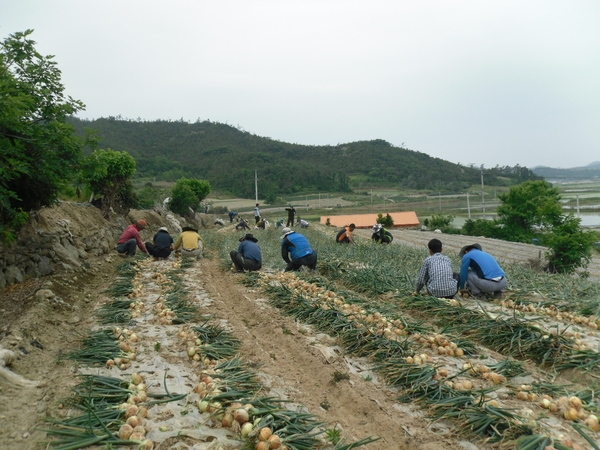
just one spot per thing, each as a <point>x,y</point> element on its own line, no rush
<point>296,251</point>
<point>248,255</point>
<point>130,239</point>
<point>190,243</point>
<point>161,245</point>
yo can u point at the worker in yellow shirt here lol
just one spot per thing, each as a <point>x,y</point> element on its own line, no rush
<point>190,243</point>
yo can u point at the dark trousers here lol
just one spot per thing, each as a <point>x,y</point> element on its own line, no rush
<point>290,222</point>
<point>309,261</point>
<point>127,247</point>
<point>242,263</point>
<point>156,252</point>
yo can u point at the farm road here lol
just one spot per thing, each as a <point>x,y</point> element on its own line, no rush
<point>511,252</point>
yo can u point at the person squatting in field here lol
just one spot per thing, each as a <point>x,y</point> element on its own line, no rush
<point>242,225</point>
<point>381,235</point>
<point>248,255</point>
<point>296,251</point>
<point>344,236</point>
<point>190,242</point>
<point>436,273</point>
<point>480,272</point>
<point>130,239</point>
<point>161,245</point>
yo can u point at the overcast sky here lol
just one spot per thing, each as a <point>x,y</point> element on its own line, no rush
<point>470,81</point>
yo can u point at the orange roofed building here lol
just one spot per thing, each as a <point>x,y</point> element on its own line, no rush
<point>401,219</point>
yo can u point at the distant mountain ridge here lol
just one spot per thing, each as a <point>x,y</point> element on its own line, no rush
<point>228,157</point>
<point>591,172</point>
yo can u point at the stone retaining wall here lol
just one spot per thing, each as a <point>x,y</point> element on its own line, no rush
<point>69,236</point>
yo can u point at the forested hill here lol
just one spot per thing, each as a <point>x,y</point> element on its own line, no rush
<point>227,157</point>
<point>589,172</point>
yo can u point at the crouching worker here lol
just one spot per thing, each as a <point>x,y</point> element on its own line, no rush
<point>344,236</point>
<point>190,242</point>
<point>481,272</point>
<point>161,245</point>
<point>130,239</point>
<point>296,251</point>
<point>436,273</point>
<point>381,235</point>
<point>242,225</point>
<point>248,255</point>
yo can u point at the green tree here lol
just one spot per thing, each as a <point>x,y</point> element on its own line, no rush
<point>569,247</point>
<point>187,194</point>
<point>108,173</point>
<point>38,149</point>
<point>386,221</point>
<point>529,208</point>
<point>482,227</point>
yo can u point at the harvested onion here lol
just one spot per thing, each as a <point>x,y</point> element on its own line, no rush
<point>264,433</point>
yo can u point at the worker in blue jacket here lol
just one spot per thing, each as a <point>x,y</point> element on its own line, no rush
<point>480,272</point>
<point>296,251</point>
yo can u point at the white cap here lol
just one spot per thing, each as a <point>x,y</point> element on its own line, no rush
<point>286,231</point>
<point>163,229</point>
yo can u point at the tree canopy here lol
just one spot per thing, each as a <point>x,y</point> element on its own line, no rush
<point>38,149</point>
<point>187,194</point>
<point>529,206</point>
<point>108,173</point>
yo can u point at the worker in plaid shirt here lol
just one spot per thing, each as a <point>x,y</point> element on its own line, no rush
<point>436,273</point>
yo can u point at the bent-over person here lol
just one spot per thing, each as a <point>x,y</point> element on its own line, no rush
<point>436,273</point>
<point>190,242</point>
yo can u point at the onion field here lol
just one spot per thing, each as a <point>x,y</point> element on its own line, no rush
<point>516,372</point>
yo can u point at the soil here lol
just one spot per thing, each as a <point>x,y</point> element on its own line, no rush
<point>293,361</point>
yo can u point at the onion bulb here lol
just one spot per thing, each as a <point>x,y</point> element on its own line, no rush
<point>227,420</point>
<point>203,406</point>
<point>131,411</point>
<point>264,433</point>
<point>575,402</point>
<point>137,437</point>
<point>147,444</point>
<point>246,429</point>
<point>125,431</point>
<point>133,421</point>
<point>136,378</point>
<point>241,415</point>
<point>592,422</point>
<point>274,442</point>
<point>570,414</point>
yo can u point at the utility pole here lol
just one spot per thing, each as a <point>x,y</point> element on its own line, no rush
<point>440,200</point>
<point>256,185</point>
<point>468,205</point>
<point>482,193</point>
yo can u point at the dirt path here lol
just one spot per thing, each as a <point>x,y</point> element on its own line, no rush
<point>293,361</point>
